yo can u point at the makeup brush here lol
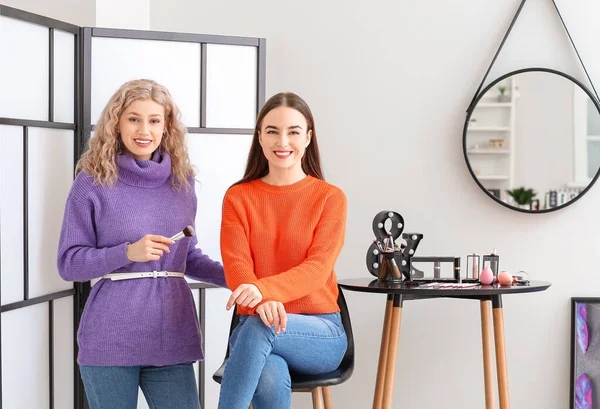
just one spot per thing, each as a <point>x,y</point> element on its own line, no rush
<point>187,232</point>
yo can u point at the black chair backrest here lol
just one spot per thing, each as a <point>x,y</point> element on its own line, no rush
<point>344,313</point>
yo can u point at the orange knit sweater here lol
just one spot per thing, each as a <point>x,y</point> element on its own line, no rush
<point>285,240</point>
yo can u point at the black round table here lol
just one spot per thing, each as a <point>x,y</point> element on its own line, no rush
<point>490,297</point>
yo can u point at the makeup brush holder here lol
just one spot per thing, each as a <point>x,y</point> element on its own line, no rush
<point>388,257</point>
<point>389,270</point>
<point>384,265</point>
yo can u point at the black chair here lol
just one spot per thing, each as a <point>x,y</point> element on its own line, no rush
<point>318,385</point>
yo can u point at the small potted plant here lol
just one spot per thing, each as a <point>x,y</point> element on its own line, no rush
<point>522,197</point>
<point>503,97</point>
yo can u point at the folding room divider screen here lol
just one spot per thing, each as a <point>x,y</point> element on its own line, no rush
<point>55,79</point>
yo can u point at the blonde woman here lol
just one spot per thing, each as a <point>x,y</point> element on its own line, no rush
<point>133,191</point>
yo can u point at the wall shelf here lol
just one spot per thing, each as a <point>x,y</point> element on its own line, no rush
<point>489,128</point>
<point>495,105</point>
<point>488,152</point>
<point>492,177</point>
<point>493,120</point>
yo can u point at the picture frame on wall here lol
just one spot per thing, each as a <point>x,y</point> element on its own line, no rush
<point>585,353</point>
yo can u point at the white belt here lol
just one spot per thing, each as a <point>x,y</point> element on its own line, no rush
<point>152,274</point>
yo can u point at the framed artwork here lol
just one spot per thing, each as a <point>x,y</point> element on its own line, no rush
<point>585,353</point>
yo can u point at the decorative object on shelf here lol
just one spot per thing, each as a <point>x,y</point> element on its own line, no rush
<point>541,105</point>
<point>497,144</point>
<point>585,354</point>
<point>554,198</point>
<point>535,204</point>
<point>503,97</point>
<point>495,192</point>
<point>522,196</point>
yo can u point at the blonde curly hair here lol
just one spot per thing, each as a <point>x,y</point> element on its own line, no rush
<point>99,159</point>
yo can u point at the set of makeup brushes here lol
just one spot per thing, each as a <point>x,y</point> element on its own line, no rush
<point>387,262</point>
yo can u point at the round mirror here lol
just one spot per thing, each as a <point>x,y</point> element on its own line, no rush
<point>532,140</point>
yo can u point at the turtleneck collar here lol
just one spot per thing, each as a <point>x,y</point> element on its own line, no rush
<point>148,174</point>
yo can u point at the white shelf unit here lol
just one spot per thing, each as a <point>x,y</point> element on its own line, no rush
<point>489,128</point>
<point>489,152</point>
<point>494,119</point>
<point>493,177</point>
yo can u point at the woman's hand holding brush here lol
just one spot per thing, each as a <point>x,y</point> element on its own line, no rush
<point>150,247</point>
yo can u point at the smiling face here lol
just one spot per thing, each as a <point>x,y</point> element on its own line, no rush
<point>141,126</point>
<point>284,137</point>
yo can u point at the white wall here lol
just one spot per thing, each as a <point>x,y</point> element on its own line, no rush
<point>80,12</point>
<point>385,77</point>
<point>130,14</point>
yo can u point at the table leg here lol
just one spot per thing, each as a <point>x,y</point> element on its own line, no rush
<point>383,353</point>
<point>390,366</point>
<point>500,352</point>
<point>486,340</point>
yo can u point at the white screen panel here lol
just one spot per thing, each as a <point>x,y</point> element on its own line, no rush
<point>64,76</point>
<point>218,321</point>
<point>215,176</point>
<point>25,363</point>
<point>175,65</point>
<point>63,353</point>
<point>50,162</point>
<point>24,75</point>
<point>11,213</point>
<point>231,86</point>
<point>196,296</point>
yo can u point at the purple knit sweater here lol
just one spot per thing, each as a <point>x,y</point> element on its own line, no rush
<point>144,321</point>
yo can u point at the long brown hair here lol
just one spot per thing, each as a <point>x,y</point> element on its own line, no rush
<point>99,160</point>
<point>257,165</point>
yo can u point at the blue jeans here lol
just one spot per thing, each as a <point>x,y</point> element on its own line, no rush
<point>116,387</point>
<point>258,369</point>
